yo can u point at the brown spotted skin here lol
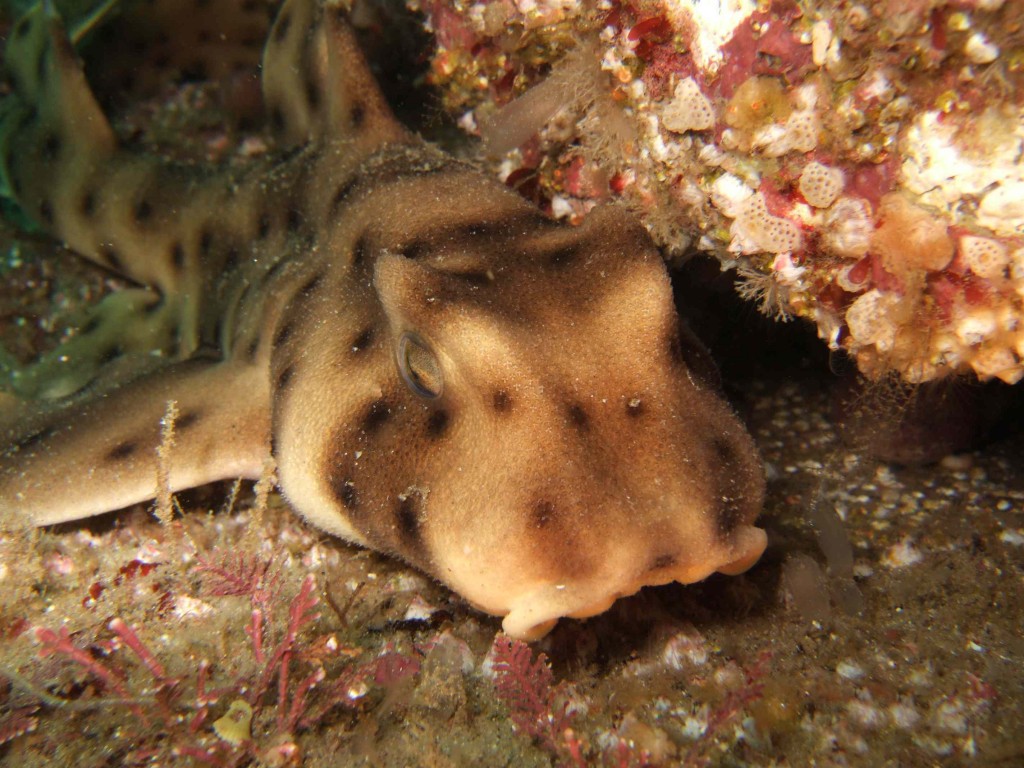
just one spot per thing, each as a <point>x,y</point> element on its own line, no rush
<point>543,449</point>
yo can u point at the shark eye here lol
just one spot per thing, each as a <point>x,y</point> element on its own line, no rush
<point>419,367</point>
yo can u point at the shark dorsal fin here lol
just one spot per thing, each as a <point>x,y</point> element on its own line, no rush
<point>316,83</point>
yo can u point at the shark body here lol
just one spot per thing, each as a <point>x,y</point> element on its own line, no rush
<point>438,371</point>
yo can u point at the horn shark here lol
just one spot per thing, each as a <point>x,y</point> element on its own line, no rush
<point>440,372</point>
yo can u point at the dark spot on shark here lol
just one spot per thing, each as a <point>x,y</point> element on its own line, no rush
<point>284,377</point>
<point>263,226</point>
<point>87,204</point>
<point>502,227</point>
<point>187,419</point>
<point>723,452</point>
<point>685,349</point>
<point>357,116</point>
<point>154,305</point>
<point>375,416</point>
<point>50,147</point>
<point>438,423</point>
<point>205,242</point>
<point>275,269</point>
<point>22,27</point>
<point>728,515</point>
<point>277,119</point>
<point>109,354</point>
<point>578,417</point>
<point>362,341</point>
<point>231,257</point>
<point>110,257</point>
<point>661,562</point>
<point>143,211</point>
<point>177,255</point>
<point>252,348</point>
<point>542,514</point>
<point>475,278</point>
<point>283,334</point>
<point>284,23</point>
<point>41,63</point>
<point>310,287</point>
<point>562,257</point>
<point>121,451</point>
<point>345,492</point>
<point>501,401</point>
<point>342,192</point>
<point>312,89</point>
<point>35,438</point>
<point>360,249</point>
<point>408,520</point>
<point>414,249</point>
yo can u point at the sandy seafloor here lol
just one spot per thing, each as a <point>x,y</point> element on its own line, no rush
<point>757,670</point>
<point>927,673</point>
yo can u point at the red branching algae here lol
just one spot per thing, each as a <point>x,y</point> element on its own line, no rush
<point>271,694</point>
<point>525,685</point>
<point>239,575</point>
<point>59,643</point>
<point>735,702</point>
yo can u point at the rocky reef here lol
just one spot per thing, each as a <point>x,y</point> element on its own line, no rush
<point>859,164</point>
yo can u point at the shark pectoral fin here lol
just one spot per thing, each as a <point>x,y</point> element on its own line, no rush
<point>61,163</point>
<point>87,458</point>
<point>117,336</point>
<point>316,81</point>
